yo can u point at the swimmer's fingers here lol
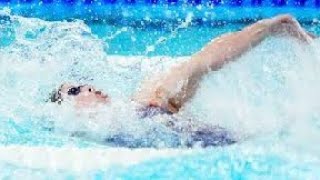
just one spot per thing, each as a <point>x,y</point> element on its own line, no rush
<point>288,25</point>
<point>285,18</point>
<point>281,19</point>
<point>303,33</point>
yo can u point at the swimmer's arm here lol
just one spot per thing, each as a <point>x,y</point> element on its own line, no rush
<point>177,86</point>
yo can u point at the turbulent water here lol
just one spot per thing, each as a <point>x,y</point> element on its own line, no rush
<point>269,98</point>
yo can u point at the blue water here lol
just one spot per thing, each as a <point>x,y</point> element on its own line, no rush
<point>269,98</point>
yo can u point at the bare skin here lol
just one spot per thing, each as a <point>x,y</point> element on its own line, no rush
<point>181,82</point>
<point>87,95</point>
<point>179,85</point>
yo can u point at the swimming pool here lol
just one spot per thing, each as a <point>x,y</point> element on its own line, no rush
<point>269,98</point>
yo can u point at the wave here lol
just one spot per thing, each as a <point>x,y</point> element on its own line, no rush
<point>238,161</point>
<point>269,95</point>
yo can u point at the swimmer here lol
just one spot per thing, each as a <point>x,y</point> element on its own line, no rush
<point>169,93</point>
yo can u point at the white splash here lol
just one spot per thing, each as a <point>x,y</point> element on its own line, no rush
<point>268,95</point>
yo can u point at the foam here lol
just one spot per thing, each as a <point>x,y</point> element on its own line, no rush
<point>258,96</point>
<point>79,160</point>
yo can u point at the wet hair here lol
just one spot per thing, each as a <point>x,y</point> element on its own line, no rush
<point>55,96</point>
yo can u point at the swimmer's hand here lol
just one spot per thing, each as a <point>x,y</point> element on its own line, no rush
<point>288,25</point>
<point>154,93</point>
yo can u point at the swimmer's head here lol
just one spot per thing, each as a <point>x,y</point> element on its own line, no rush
<point>79,95</point>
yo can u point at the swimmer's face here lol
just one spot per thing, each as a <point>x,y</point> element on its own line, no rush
<point>83,95</point>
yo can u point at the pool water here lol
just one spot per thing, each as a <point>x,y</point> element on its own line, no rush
<point>269,98</point>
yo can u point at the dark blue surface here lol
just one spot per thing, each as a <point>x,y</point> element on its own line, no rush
<point>110,1</point>
<point>25,1</point>
<point>194,2</point>
<point>300,2</point>
<point>4,1</point>
<point>69,2</point>
<point>151,1</point>
<point>172,1</point>
<point>279,2</point>
<point>215,2</point>
<point>236,2</point>
<point>256,2</point>
<point>47,1</point>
